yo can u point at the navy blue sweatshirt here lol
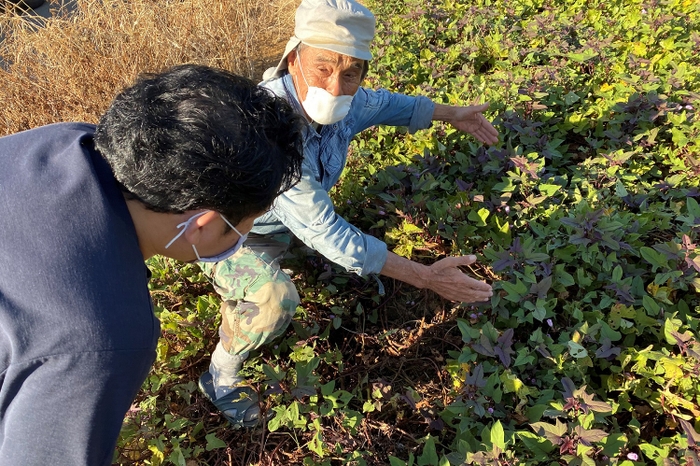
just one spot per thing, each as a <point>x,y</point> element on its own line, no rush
<point>77,330</point>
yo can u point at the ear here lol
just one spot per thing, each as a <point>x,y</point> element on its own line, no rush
<point>297,79</point>
<point>200,227</point>
<point>292,58</point>
<point>293,63</point>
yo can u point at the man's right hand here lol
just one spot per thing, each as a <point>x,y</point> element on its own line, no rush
<point>446,279</point>
<point>443,277</point>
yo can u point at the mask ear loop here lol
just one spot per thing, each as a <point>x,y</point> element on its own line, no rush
<point>308,87</point>
<point>184,226</point>
<point>196,253</point>
<point>229,224</point>
<point>302,69</point>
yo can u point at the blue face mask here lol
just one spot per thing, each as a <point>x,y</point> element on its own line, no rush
<point>219,257</point>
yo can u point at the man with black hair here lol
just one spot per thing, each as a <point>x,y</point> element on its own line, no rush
<point>180,165</point>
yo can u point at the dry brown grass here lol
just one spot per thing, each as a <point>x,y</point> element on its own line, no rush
<point>70,68</point>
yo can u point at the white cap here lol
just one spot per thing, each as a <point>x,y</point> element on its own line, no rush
<point>342,26</point>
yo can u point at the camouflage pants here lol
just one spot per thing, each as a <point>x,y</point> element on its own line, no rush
<point>258,298</point>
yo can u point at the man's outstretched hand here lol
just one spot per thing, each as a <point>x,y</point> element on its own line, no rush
<point>446,279</point>
<point>443,277</point>
<point>468,120</point>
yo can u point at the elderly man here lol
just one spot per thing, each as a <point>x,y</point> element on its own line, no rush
<point>320,74</point>
<point>179,165</point>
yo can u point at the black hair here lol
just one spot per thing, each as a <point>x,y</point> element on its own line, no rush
<point>195,137</point>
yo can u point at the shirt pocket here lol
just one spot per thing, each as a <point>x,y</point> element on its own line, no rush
<point>334,151</point>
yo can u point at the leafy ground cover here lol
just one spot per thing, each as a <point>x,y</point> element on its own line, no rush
<point>585,218</point>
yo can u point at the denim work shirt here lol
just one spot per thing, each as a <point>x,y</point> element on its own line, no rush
<point>306,209</point>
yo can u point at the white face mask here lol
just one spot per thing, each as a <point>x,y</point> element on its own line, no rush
<point>322,106</point>
<point>219,257</point>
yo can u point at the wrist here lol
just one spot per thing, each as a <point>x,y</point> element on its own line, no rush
<point>421,273</point>
<point>406,270</point>
<point>443,112</point>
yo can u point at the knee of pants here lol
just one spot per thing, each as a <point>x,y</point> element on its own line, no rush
<point>261,317</point>
<point>244,273</point>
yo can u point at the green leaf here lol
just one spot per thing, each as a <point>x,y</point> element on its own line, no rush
<point>490,331</point>
<point>214,442</point>
<point>693,207</point>
<point>696,284</point>
<point>515,290</point>
<point>327,389</point>
<point>679,138</point>
<point>158,456</point>
<point>653,452</point>
<point>279,420</point>
<point>582,57</point>
<point>582,278</point>
<point>553,433</point>
<point>576,350</point>
<point>536,445</point>
<point>656,259</point>
<point>498,436</point>
<point>607,332</point>
<point>563,277</point>
<point>670,326</point>
<point>316,444</point>
<point>505,186</point>
<point>429,457</point>
<point>549,189</point>
<point>617,273</point>
<point>537,256</point>
<point>571,98</point>
<point>590,436</point>
<point>469,333</point>
<point>613,443</point>
<point>410,229</point>
<point>394,461</point>
<point>523,357</point>
<point>620,190</point>
<point>535,413</point>
<point>177,457</point>
<point>479,216</point>
<point>668,43</point>
<point>302,354</point>
<point>651,306</point>
<point>512,384</point>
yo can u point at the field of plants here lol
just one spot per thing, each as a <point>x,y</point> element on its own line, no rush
<point>585,217</point>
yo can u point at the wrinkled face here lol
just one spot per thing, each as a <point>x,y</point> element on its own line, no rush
<point>336,73</point>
